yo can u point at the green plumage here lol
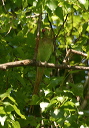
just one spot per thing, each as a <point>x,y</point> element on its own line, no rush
<point>45,50</point>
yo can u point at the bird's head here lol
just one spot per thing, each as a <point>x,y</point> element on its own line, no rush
<point>46,32</point>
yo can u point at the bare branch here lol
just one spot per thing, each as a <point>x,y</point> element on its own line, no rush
<point>78,52</point>
<point>75,52</point>
<point>39,64</point>
<point>8,31</point>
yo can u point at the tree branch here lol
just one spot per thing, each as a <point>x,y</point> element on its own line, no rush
<point>39,64</point>
<point>75,52</point>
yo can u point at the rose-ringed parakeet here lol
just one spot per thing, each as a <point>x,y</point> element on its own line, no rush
<point>45,49</point>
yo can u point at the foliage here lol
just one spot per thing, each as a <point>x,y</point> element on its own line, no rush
<point>63,92</point>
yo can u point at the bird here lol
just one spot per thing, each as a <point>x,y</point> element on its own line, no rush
<point>45,49</point>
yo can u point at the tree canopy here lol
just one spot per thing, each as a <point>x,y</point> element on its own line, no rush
<point>64,90</point>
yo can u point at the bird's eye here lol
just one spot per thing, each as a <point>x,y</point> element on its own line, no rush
<point>43,30</point>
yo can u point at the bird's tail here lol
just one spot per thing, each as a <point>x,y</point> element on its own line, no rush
<point>40,72</point>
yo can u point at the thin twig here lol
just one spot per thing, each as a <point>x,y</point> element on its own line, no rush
<point>53,34</point>
<point>62,26</point>
<point>8,31</point>
<point>4,5</point>
<point>38,36</point>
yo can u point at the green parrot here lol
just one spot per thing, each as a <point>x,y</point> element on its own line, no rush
<point>45,49</point>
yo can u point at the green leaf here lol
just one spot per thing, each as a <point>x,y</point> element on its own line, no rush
<point>20,79</point>
<point>52,4</point>
<point>69,105</point>
<point>2,110</point>
<point>85,3</point>
<point>15,124</point>
<point>56,81</point>
<point>8,108</point>
<point>88,54</point>
<point>77,89</point>
<point>18,2</point>
<point>20,52</point>
<point>12,99</point>
<point>32,121</point>
<point>6,94</point>
<point>85,25</point>
<point>35,100</point>
<point>59,13</point>
<point>18,112</point>
<point>30,1</point>
<point>53,101</point>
